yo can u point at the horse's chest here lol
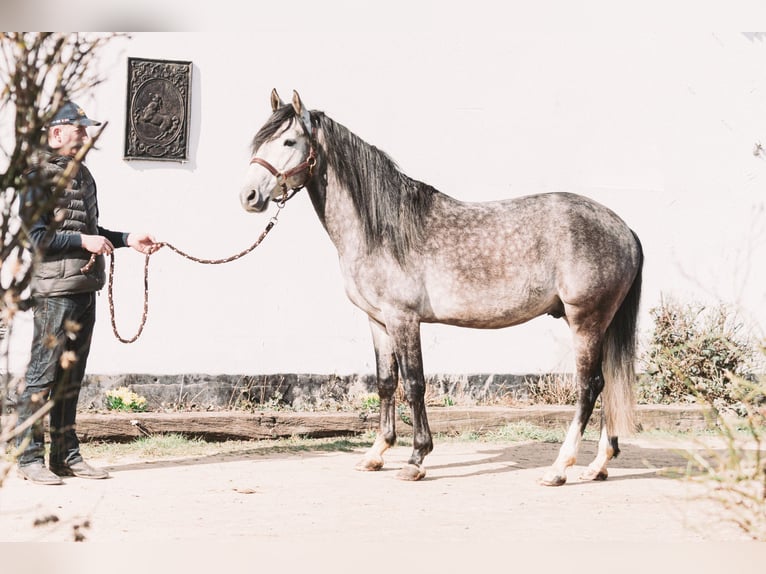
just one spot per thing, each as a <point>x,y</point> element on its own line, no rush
<point>361,294</point>
<point>361,297</point>
<point>374,288</point>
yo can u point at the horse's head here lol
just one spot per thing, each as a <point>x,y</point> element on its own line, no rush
<point>283,155</point>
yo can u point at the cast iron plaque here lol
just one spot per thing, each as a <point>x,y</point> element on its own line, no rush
<point>157,122</point>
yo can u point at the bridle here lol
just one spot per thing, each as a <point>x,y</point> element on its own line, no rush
<point>307,165</point>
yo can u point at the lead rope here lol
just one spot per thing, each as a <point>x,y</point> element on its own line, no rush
<point>272,222</point>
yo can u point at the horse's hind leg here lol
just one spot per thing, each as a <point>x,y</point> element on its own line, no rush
<point>387,374</point>
<point>607,450</point>
<point>590,382</point>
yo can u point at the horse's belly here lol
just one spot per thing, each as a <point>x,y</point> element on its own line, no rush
<point>489,308</point>
<point>443,296</point>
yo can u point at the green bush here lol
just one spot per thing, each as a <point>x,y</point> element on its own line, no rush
<point>696,353</point>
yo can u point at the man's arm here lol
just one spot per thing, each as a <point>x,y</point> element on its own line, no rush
<point>116,238</point>
<point>65,242</point>
<point>57,243</point>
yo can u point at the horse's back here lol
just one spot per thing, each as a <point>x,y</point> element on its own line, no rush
<point>548,227</point>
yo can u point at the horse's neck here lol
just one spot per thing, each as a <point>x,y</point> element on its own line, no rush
<point>336,211</point>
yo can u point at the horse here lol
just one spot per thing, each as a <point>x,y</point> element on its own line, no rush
<point>410,254</point>
<point>153,115</point>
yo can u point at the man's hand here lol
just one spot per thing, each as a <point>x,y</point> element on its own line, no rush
<point>97,244</point>
<point>143,242</point>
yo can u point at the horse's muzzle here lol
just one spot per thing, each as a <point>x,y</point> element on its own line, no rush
<point>252,201</point>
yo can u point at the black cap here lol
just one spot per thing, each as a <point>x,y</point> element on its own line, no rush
<point>71,113</point>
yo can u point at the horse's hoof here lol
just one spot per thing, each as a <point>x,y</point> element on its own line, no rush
<point>369,464</point>
<point>411,472</point>
<point>553,479</point>
<point>591,474</point>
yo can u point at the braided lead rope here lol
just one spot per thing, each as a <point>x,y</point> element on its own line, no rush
<point>272,222</point>
<point>111,301</point>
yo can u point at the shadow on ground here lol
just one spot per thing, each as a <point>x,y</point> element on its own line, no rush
<point>490,458</point>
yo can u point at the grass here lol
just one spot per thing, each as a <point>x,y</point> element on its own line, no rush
<point>521,431</point>
<point>175,445</point>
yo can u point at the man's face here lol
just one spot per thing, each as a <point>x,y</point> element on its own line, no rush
<point>67,139</point>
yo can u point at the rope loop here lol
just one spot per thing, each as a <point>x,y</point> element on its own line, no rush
<point>110,291</point>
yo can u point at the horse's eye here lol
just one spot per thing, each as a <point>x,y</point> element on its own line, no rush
<point>289,143</point>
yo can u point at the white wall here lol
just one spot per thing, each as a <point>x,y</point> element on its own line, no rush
<point>658,126</point>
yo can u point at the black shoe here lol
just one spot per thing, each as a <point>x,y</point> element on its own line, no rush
<point>37,473</point>
<point>80,469</point>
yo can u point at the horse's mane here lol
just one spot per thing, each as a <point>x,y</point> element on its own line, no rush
<point>391,206</point>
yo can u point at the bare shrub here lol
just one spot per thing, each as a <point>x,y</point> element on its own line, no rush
<point>695,353</point>
<point>735,476</point>
<point>703,354</point>
<point>553,389</point>
<point>38,72</point>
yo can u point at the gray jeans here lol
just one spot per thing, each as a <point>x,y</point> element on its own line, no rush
<point>47,379</point>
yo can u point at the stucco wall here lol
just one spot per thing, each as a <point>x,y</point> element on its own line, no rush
<point>661,127</point>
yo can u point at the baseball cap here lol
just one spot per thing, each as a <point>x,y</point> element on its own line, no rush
<point>71,113</point>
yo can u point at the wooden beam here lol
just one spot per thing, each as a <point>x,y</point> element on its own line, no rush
<point>278,424</point>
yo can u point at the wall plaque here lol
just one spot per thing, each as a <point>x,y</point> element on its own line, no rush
<point>158,109</point>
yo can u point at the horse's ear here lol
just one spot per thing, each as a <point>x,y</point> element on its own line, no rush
<point>276,101</point>
<point>301,111</point>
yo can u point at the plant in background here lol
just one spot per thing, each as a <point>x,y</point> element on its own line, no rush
<point>695,353</point>
<point>735,476</point>
<point>404,413</point>
<point>553,389</point>
<point>123,399</point>
<point>38,71</point>
<point>258,393</point>
<point>700,354</point>
<point>370,402</point>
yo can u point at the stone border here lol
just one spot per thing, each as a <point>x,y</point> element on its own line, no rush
<point>297,391</point>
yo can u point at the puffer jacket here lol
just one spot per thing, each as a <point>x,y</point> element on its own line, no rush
<point>59,272</point>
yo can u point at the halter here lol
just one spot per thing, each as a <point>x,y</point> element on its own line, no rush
<point>306,165</point>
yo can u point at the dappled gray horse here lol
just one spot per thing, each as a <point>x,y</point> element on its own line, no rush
<point>410,254</point>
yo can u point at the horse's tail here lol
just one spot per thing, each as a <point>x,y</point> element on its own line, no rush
<point>618,364</point>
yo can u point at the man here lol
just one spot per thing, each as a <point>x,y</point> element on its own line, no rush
<point>64,287</point>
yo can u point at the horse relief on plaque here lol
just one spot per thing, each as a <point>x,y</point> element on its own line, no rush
<point>157,122</point>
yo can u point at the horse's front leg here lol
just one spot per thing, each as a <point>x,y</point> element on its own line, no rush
<point>388,377</point>
<point>405,334</point>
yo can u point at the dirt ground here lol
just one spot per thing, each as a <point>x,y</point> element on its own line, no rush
<point>474,492</point>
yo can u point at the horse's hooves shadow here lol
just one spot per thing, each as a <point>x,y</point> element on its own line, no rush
<point>646,461</point>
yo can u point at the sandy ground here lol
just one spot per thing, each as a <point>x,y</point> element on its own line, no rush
<point>483,493</point>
